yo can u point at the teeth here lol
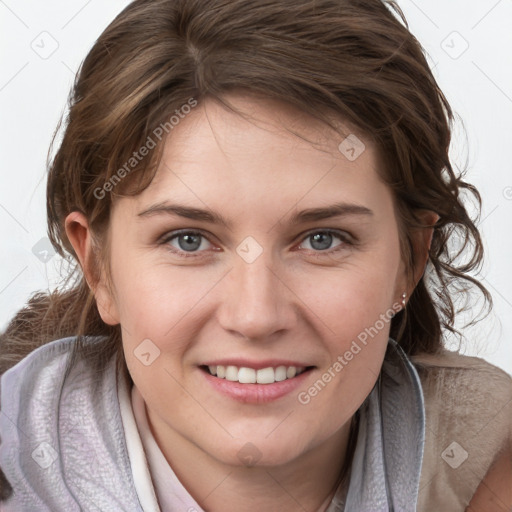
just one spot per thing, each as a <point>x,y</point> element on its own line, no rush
<point>232,373</point>
<point>291,371</point>
<point>265,376</point>
<point>280,373</point>
<point>251,376</point>
<point>247,376</point>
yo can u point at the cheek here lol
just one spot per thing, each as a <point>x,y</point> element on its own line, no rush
<point>153,296</point>
<point>353,307</point>
<point>165,304</point>
<point>354,320</point>
<point>349,299</point>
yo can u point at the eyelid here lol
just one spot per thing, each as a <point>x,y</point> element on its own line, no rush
<point>332,231</point>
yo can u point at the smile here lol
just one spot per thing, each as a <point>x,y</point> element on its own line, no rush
<point>245,375</point>
<point>251,385</point>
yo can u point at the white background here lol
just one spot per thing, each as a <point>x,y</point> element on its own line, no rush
<point>33,90</point>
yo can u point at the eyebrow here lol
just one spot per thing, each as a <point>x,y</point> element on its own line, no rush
<point>207,215</point>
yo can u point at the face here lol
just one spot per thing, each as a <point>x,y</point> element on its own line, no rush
<point>255,249</point>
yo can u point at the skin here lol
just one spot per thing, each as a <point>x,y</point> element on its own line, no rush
<point>293,302</point>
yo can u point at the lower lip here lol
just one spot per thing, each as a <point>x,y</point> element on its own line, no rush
<point>256,393</point>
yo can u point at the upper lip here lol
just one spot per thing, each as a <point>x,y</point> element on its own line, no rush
<point>257,365</point>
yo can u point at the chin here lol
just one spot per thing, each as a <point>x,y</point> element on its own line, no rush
<point>258,453</point>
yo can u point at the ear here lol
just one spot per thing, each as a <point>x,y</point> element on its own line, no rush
<point>421,242</point>
<point>80,237</point>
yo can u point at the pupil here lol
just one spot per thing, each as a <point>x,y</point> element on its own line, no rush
<point>324,239</point>
<point>192,242</point>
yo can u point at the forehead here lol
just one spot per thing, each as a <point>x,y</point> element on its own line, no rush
<point>267,154</point>
<point>258,126</point>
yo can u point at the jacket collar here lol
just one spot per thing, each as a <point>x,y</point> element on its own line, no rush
<point>386,467</point>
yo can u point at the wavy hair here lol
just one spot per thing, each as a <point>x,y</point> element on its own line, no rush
<point>353,60</point>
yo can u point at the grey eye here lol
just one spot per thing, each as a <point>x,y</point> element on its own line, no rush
<point>321,240</point>
<point>188,242</point>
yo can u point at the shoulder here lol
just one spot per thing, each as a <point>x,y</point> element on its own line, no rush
<point>49,370</point>
<point>465,388</point>
<point>54,362</point>
<point>48,357</point>
<point>42,381</point>
<point>58,411</point>
<point>458,378</point>
<point>48,350</point>
<point>20,386</point>
<point>468,407</point>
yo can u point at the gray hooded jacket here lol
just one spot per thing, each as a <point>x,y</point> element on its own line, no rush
<point>63,447</point>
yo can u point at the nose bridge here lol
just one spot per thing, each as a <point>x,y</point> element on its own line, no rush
<point>257,304</point>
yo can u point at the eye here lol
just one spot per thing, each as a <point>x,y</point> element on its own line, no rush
<point>322,240</point>
<point>186,242</point>
<point>192,243</point>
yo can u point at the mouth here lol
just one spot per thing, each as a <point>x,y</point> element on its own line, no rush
<point>246,375</point>
<point>255,385</point>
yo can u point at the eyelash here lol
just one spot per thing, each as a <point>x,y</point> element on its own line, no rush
<point>341,235</point>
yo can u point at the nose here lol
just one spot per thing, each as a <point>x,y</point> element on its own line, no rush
<point>256,302</point>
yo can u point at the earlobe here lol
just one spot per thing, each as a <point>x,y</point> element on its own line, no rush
<point>106,305</point>
<point>80,237</point>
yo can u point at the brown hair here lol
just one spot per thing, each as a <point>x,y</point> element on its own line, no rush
<point>355,59</point>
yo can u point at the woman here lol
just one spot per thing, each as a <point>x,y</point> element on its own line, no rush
<point>262,207</point>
